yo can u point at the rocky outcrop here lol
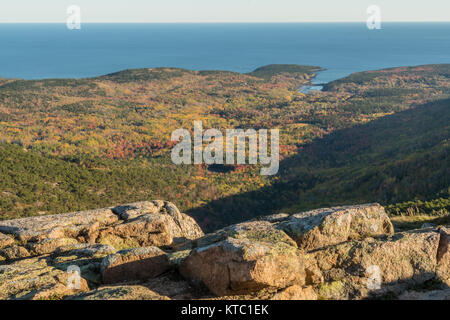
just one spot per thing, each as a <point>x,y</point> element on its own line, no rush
<point>150,250</point>
<point>37,252</point>
<point>139,224</point>
<point>156,223</point>
<point>134,264</point>
<point>43,277</point>
<point>253,256</point>
<point>83,226</point>
<point>387,265</point>
<point>323,227</point>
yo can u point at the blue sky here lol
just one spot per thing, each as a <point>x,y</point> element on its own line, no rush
<point>223,10</point>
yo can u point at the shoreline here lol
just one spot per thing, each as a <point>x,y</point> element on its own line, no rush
<point>317,69</point>
<point>312,87</point>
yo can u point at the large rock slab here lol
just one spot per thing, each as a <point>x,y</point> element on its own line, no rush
<point>443,256</point>
<point>323,227</point>
<point>186,227</point>
<point>82,225</point>
<point>145,230</point>
<point>166,226</point>
<point>386,265</point>
<point>181,225</point>
<point>134,264</point>
<point>253,256</point>
<point>36,278</point>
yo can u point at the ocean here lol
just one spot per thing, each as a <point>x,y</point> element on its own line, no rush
<point>37,51</point>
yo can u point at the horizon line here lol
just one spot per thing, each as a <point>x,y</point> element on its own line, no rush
<point>217,22</point>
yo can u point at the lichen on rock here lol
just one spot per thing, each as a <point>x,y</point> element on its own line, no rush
<point>150,250</point>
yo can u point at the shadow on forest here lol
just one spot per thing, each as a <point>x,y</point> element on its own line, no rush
<point>395,158</point>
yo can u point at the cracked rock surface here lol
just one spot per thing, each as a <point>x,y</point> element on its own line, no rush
<point>151,251</point>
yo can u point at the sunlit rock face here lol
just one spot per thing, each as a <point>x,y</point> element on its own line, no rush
<point>150,250</point>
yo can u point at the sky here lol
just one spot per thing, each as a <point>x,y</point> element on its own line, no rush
<point>223,10</point>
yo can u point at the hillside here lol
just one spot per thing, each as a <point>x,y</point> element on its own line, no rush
<point>82,144</point>
<point>400,157</point>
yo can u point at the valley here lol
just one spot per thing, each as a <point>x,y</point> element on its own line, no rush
<point>376,136</point>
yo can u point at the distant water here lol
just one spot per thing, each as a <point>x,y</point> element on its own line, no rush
<point>34,51</point>
<point>309,89</point>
